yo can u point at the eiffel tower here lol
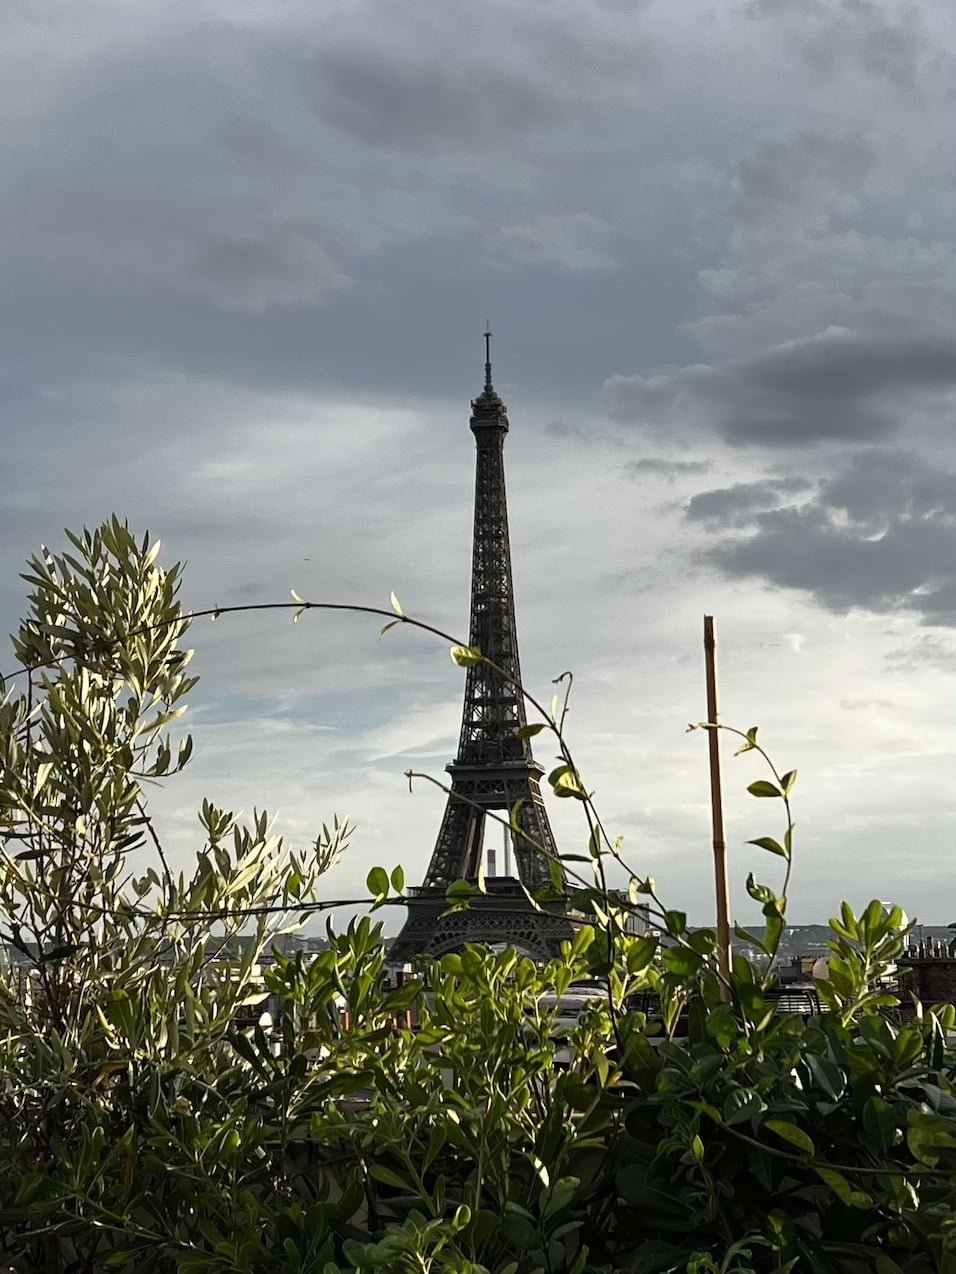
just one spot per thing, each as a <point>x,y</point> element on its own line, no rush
<point>494,768</point>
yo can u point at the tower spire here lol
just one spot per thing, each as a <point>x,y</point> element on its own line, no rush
<point>489,388</point>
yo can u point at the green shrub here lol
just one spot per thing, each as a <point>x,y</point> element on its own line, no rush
<point>149,1123</point>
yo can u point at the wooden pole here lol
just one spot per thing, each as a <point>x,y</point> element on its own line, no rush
<point>721,883</point>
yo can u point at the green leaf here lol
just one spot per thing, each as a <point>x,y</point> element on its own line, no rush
<point>119,1259</point>
<point>704,941</point>
<point>759,893</point>
<point>790,1132</point>
<point>827,1076</point>
<point>837,1183</point>
<point>879,1124</point>
<point>461,1218</point>
<point>565,781</point>
<point>749,743</point>
<point>582,940</point>
<point>44,769</point>
<point>676,922</point>
<point>773,929</point>
<point>397,606</point>
<point>639,952</point>
<point>385,627</point>
<point>768,843</point>
<point>722,1025</point>
<point>388,1176</point>
<point>897,919</point>
<point>762,787</point>
<point>747,936</point>
<point>927,1135</point>
<point>465,656</point>
<point>682,961</point>
<point>529,731</point>
<point>787,781</point>
<point>377,882</point>
<point>436,1141</point>
<point>398,879</point>
<point>516,1228</point>
<point>872,918</point>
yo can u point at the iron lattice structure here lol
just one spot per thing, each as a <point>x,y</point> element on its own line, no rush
<point>494,768</point>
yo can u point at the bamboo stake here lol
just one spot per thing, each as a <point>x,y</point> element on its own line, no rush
<point>721,883</point>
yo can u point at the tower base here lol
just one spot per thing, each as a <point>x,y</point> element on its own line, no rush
<point>502,916</point>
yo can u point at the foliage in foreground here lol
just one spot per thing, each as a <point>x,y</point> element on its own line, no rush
<point>662,1119</point>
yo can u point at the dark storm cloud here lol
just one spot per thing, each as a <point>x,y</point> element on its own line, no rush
<point>253,271</point>
<point>658,467</point>
<point>880,535</point>
<point>838,364</point>
<point>837,385</point>
<point>737,505</point>
<point>803,549</point>
<point>886,41</point>
<point>304,197</point>
<point>622,6</point>
<point>801,170</point>
<point>890,484</point>
<point>392,102</point>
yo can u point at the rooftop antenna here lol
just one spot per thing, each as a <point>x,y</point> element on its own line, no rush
<point>488,385</point>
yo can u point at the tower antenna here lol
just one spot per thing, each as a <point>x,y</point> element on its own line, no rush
<point>488,384</point>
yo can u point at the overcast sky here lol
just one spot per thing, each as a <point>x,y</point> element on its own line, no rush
<point>248,249</point>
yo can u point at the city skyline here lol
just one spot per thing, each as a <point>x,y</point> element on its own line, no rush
<point>248,259</point>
